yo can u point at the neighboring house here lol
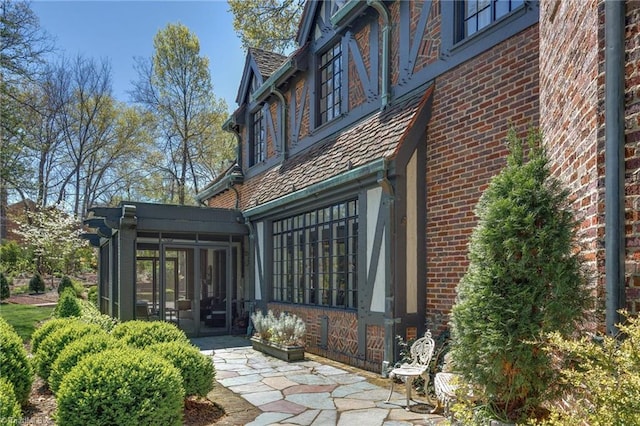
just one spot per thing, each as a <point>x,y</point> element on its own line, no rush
<point>16,213</point>
<point>362,155</point>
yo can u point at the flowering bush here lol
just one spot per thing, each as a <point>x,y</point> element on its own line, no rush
<point>286,329</point>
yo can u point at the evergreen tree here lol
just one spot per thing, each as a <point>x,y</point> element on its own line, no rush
<point>4,287</point>
<point>525,279</point>
<point>36,284</point>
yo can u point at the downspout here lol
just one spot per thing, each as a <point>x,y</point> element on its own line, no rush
<point>390,320</point>
<point>283,120</point>
<point>386,46</point>
<point>614,12</point>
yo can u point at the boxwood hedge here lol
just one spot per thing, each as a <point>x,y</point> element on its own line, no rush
<point>10,413</point>
<point>56,341</point>
<point>14,362</point>
<point>118,387</point>
<point>75,351</point>
<point>196,369</point>
<point>141,334</point>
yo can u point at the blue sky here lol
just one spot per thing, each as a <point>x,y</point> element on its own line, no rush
<point>122,30</point>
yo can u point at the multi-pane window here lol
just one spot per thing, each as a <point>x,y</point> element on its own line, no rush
<point>330,83</point>
<point>315,257</point>
<point>477,14</point>
<point>258,138</point>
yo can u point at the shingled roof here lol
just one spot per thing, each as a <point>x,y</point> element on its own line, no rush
<point>376,137</point>
<point>267,61</point>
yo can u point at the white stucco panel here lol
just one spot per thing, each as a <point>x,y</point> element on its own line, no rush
<point>374,197</point>
<point>259,260</point>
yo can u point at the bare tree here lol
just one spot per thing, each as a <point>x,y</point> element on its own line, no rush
<point>175,86</point>
<point>22,46</point>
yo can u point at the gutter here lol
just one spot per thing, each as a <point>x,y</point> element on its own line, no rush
<point>284,71</point>
<point>386,45</point>
<point>283,120</point>
<point>614,163</point>
<point>325,185</point>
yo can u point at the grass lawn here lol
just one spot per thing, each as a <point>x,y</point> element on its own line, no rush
<point>24,318</point>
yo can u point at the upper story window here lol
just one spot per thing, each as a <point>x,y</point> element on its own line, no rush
<point>474,15</point>
<point>330,83</point>
<point>258,138</point>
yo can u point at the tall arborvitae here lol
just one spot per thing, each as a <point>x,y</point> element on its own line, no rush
<point>525,279</point>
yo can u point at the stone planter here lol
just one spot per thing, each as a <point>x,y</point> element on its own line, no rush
<point>285,353</point>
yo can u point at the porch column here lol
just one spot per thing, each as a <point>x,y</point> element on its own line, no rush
<point>127,263</point>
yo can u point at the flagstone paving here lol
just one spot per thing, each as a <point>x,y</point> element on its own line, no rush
<point>313,392</point>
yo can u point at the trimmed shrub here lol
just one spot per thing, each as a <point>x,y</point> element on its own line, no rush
<point>45,329</point>
<point>75,351</point>
<point>14,362</point>
<point>91,315</point>
<point>10,413</point>
<point>197,369</point>
<point>36,284</point>
<point>141,334</point>
<point>65,283</point>
<point>92,295</point>
<point>57,341</point>
<point>4,287</point>
<point>119,387</point>
<point>68,304</point>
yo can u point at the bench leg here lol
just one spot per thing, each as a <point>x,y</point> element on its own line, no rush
<point>409,384</point>
<point>391,391</point>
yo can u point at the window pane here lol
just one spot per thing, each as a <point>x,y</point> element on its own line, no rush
<point>317,264</point>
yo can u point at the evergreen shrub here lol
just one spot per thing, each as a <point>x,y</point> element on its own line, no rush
<point>68,304</point>
<point>75,351</point>
<point>15,366</point>
<point>10,412</point>
<point>5,292</point>
<point>92,295</point>
<point>525,279</point>
<point>118,387</point>
<point>36,284</point>
<point>65,283</point>
<point>141,334</point>
<point>603,378</point>
<point>45,329</point>
<point>51,347</point>
<point>91,315</point>
<point>196,369</point>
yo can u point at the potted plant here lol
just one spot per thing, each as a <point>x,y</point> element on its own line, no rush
<point>525,279</point>
<point>279,336</point>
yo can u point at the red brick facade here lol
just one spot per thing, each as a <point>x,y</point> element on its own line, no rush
<point>572,120</point>
<point>473,108</point>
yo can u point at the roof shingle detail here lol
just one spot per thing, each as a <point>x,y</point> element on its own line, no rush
<point>268,62</point>
<point>376,137</point>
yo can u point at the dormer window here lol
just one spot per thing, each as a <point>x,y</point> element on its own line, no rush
<point>474,15</point>
<point>258,138</point>
<point>330,84</point>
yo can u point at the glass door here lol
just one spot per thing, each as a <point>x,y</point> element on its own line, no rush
<point>214,300</point>
<point>147,286</point>
<point>179,288</point>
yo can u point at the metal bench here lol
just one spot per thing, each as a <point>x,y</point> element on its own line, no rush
<point>421,352</point>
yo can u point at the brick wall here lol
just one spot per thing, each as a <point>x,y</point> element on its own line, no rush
<point>570,83</point>
<point>473,107</point>
<point>632,155</point>
<point>342,342</point>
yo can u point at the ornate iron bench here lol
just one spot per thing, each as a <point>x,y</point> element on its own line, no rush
<point>421,352</point>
